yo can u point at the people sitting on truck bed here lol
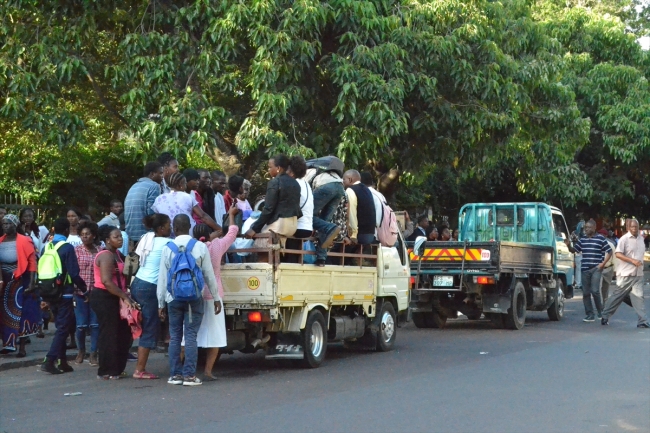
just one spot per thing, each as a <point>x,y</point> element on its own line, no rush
<point>281,204</point>
<point>297,170</point>
<point>432,233</point>
<point>420,229</point>
<point>445,234</point>
<point>361,212</point>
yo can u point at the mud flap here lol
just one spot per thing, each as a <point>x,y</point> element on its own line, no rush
<point>287,346</point>
<point>496,303</point>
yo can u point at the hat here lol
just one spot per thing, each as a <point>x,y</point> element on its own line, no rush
<point>13,219</point>
<point>603,232</point>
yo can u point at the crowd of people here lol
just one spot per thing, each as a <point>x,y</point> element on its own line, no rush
<point>166,215</point>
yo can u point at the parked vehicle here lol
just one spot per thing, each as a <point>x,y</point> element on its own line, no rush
<point>510,258</point>
<point>292,310</point>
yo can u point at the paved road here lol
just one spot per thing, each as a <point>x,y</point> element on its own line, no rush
<point>548,377</point>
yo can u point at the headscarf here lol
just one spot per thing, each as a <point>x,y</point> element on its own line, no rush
<point>13,219</point>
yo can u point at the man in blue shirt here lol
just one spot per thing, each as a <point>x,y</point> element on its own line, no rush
<point>140,198</point>
<point>63,309</point>
<point>596,252</point>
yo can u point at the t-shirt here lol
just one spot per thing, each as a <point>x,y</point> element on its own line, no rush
<point>593,251</point>
<point>149,270</point>
<point>633,248</point>
<point>175,203</point>
<point>74,240</point>
<point>306,221</point>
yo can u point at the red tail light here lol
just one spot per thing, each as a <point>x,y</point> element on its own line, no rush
<point>412,281</point>
<point>254,316</point>
<point>485,280</point>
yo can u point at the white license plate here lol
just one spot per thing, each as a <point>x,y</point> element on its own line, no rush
<point>443,280</point>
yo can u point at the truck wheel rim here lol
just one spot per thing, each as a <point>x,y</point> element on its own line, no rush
<point>316,339</point>
<point>387,326</point>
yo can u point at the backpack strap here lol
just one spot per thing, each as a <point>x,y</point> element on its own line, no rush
<point>172,246</point>
<point>190,245</point>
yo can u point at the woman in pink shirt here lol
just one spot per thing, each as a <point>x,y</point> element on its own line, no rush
<point>212,333</point>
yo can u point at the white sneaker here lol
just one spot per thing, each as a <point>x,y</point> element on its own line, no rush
<point>175,380</point>
<point>192,381</point>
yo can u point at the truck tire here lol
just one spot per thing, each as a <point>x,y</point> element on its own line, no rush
<point>556,310</point>
<point>437,318</point>
<point>314,340</point>
<point>420,320</point>
<point>496,319</point>
<point>516,315</point>
<point>387,332</point>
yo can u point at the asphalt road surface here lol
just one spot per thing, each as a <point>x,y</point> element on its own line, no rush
<point>549,377</point>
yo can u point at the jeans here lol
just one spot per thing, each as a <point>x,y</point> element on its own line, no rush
<point>323,228</point>
<point>179,317</point>
<point>114,333</point>
<point>591,287</point>
<point>144,293</point>
<point>326,200</point>
<point>63,312</point>
<point>86,318</point>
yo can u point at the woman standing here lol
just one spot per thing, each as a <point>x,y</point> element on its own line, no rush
<point>21,314</point>
<point>74,216</point>
<point>30,228</point>
<point>179,202</point>
<point>297,170</point>
<point>212,333</point>
<point>282,201</point>
<point>84,315</point>
<point>144,286</point>
<point>110,286</point>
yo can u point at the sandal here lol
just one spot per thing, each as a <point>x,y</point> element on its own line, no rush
<point>144,375</point>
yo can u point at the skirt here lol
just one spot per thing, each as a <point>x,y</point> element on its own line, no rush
<point>20,314</point>
<point>212,332</point>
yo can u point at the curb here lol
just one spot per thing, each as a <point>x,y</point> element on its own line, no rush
<point>28,361</point>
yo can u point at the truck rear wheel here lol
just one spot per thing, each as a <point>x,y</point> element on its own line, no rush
<point>387,331</point>
<point>437,318</point>
<point>516,315</point>
<point>419,319</point>
<point>556,310</point>
<point>314,340</point>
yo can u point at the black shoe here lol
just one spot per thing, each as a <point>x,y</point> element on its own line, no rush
<point>588,319</point>
<point>49,367</point>
<point>643,325</point>
<point>604,321</point>
<point>66,368</point>
<point>320,263</point>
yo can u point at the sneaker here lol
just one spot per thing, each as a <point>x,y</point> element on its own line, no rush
<point>604,322</point>
<point>131,357</point>
<point>599,315</point>
<point>175,380</point>
<point>192,381</point>
<point>94,359</point>
<point>588,319</point>
<point>49,367</point>
<point>331,236</point>
<point>643,325</point>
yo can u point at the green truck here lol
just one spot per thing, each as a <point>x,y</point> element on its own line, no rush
<point>510,258</point>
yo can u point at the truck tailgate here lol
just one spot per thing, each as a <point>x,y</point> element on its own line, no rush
<point>448,256</point>
<point>248,284</point>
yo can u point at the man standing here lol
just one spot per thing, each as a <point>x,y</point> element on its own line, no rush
<point>629,275</point>
<point>170,166</point>
<point>595,254</point>
<point>219,184</point>
<point>420,229</point>
<point>140,198</point>
<point>113,219</point>
<point>608,270</point>
<point>184,315</point>
<point>63,309</point>
<point>362,217</point>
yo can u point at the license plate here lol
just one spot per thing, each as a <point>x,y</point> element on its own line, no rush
<point>443,280</point>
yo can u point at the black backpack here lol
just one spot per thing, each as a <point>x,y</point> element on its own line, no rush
<point>324,165</point>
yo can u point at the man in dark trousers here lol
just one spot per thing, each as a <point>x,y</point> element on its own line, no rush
<point>63,309</point>
<point>361,213</point>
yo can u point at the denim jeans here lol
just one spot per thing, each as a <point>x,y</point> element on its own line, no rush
<point>322,228</point>
<point>326,200</point>
<point>179,316</point>
<point>591,288</point>
<point>63,312</point>
<point>86,319</point>
<point>144,293</point>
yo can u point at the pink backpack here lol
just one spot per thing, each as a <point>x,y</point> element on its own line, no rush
<point>387,230</point>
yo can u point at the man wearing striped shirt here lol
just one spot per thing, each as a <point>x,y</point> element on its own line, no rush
<point>596,252</point>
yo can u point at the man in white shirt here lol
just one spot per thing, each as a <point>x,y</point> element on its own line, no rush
<point>629,275</point>
<point>179,311</point>
<point>219,183</point>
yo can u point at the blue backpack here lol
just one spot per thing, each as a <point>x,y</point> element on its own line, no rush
<point>185,279</point>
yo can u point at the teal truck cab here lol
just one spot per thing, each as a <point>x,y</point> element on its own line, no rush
<point>510,258</point>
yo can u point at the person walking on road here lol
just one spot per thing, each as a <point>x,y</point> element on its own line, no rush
<point>595,254</point>
<point>185,317</point>
<point>608,271</point>
<point>629,276</point>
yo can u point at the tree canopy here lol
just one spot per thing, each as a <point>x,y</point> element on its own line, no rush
<point>445,101</point>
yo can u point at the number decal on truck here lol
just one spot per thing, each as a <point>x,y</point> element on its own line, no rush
<point>485,255</point>
<point>253,283</point>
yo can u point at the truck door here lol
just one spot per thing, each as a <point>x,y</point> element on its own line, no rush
<point>564,256</point>
<point>395,273</point>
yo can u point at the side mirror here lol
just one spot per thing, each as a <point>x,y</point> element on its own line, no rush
<point>563,236</point>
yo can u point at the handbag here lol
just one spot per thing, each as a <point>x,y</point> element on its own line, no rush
<point>309,259</point>
<point>132,315</point>
<point>131,266</point>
